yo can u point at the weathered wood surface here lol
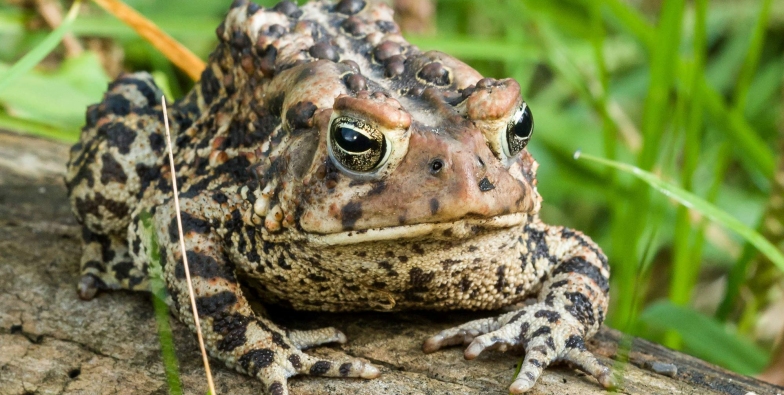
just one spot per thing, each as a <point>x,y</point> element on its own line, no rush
<point>53,343</point>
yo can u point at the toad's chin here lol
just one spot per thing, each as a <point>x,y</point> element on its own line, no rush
<point>462,228</point>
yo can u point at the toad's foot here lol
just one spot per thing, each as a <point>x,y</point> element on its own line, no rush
<point>273,369</point>
<point>546,335</point>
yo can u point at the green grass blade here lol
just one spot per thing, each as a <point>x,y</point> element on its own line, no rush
<point>751,61</point>
<point>755,153</point>
<point>702,335</point>
<point>41,50</point>
<point>158,289</point>
<point>704,207</point>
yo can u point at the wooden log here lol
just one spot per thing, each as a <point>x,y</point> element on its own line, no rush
<point>53,343</point>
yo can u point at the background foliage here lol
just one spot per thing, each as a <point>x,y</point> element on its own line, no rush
<point>691,91</point>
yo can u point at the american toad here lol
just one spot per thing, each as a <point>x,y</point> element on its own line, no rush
<point>338,168</point>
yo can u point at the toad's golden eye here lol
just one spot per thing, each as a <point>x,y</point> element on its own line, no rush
<point>356,145</point>
<point>519,130</point>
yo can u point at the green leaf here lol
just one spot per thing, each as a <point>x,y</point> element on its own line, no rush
<point>707,338</point>
<point>57,99</point>
<point>695,202</point>
<point>41,50</point>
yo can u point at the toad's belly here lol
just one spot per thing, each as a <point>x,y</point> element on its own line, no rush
<point>486,271</point>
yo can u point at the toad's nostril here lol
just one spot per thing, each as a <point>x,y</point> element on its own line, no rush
<point>485,185</point>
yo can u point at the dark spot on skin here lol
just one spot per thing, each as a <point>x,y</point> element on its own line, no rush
<point>282,262</point>
<point>350,7</point>
<point>465,284</point>
<point>122,269</point>
<point>144,86</point>
<point>544,330</point>
<point>277,388</point>
<point>501,283</point>
<point>418,278</point>
<point>189,224</point>
<point>90,206</point>
<point>157,143</point>
<point>136,245</point>
<point>345,369</point>
<point>378,285</point>
<point>550,343</point>
<point>210,86</point>
<point>485,185</point>
<point>112,170</point>
<point>535,362</point>
<point>252,9</point>
<point>317,278</point>
<point>581,266</point>
<point>214,304</point>
<point>548,300</point>
<point>116,104</point>
<point>540,349</point>
<point>219,197</point>
<point>267,58</point>
<point>417,249</point>
<point>558,284</point>
<point>576,342</point>
<point>448,263</point>
<point>320,368</point>
<point>378,188</point>
<point>355,82</point>
<point>295,361</point>
<point>255,360</point>
<point>324,50</point>
<point>434,206</point>
<point>118,135</point>
<point>299,115</point>
<point>523,331</point>
<point>204,266</point>
<point>551,316</point>
<point>435,73</point>
<point>350,213</point>
<point>232,327</point>
<point>581,308</point>
<point>288,8</point>
<point>278,339</point>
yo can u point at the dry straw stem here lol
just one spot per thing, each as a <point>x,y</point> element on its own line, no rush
<point>182,248</point>
<point>175,52</point>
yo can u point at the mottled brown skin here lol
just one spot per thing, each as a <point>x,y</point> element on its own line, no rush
<point>446,220</point>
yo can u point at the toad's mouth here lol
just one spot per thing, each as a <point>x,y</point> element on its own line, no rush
<point>460,229</point>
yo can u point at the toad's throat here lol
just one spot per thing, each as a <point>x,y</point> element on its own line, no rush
<point>459,229</point>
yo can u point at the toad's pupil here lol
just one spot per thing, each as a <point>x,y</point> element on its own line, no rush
<point>353,141</point>
<point>523,128</point>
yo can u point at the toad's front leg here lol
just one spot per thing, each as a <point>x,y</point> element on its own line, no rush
<point>232,332</point>
<point>571,306</point>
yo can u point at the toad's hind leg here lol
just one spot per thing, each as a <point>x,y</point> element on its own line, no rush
<point>108,171</point>
<point>107,265</point>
